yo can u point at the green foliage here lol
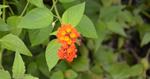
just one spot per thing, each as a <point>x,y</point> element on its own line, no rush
<point>35,20</point>
<point>1,7</point>
<point>14,43</point>
<point>38,3</point>
<point>116,27</point>
<point>18,67</point>
<point>81,64</point>
<point>57,75</point>
<point>114,39</point>
<point>73,15</point>
<point>65,1</point>
<point>123,71</point>
<point>51,54</point>
<point>3,26</point>
<point>84,26</point>
<point>42,33</point>
<point>136,70</point>
<point>70,74</point>
<point>104,56</point>
<point>145,39</point>
<point>29,77</point>
<point>13,22</point>
<point>4,74</point>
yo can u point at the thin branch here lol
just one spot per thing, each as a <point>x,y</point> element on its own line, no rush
<point>53,5</point>
<point>146,14</point>
<point>135,55</point>
<point>4,10</point>
<point>56,11</point>
<point>1,56</point>
<point>11,10</point>
<point>148,53</point>
<point>24,10</point>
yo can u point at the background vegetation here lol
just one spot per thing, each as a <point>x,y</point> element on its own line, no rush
<point>115,39</point>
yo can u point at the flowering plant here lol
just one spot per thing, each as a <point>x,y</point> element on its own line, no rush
<point>74,39</point>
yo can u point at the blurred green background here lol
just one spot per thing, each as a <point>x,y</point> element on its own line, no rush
<point>121,50</point>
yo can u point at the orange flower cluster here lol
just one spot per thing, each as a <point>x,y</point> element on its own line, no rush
<point>67,36</point>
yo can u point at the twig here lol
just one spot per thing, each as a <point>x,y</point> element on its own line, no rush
<point>11,10</point>
<point>146,14</point>
<point>135,55</point>
<point>24,10</point>
<point>1,56</point>
<point>53,5</point>
<point>56,11</point>
<point>148,53</point>
<point>4,10</point>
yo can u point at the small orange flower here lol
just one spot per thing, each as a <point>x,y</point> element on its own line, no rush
<point>67,52</point>
<point>67,36</point>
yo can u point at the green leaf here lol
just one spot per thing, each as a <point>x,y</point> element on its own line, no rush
<point>13,22</point>
<point>62,65</point>
<point>97,69</point>
<point>66,1</point>
<point>57,75</point>
<point>70,4</point>
<point>126,16</point>
<point>18,67</point>
<point>42,65</point>
<point>53,33</point>
<point>38,36</point>
<point>38,3</point>
<point>84,51</point>
<point>29,77</point>
<point>3,26</point>
<point>85,25</point>
<point>107,2</point>
<point>73,15</point>
<point>32,68</point>
<point>136,70</point>
<point>145,28</point>
<point>145,39</point>
<point>102,32</point>
<point>36,18</point>
<point>4,74</point>
<point>104,56</point>
<point>87,75</point>
<point>70,74</point>
<point>51,54</point>
<point>110,13</point>
<point>123,71</point>
<point>145,63</point>
<point>80,64</point>
<point>119,71</point>
<point>14,43</point>
<point>116,28</point>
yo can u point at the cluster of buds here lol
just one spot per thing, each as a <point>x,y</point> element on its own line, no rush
<point>67,36</point>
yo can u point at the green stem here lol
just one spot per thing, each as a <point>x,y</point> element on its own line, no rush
<point>146,14</point>
<point>148,53</point>
<point>4,12</point>
<point>1,56</point>
<point>24,10</point>
<point>56,11</point>
<point>53,5</point>
<point>135,55</point>
<point>11,10</point>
